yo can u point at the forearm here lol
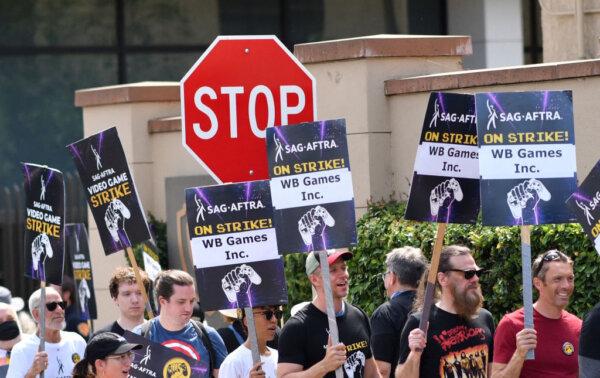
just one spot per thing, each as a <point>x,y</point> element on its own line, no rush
<point>372,371</point>
<point>510,370</point>
<point>318,370</point>
<point>410,367</point>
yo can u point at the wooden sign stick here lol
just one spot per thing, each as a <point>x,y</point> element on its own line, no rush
<point>138,278</point>
<point>432,276</point>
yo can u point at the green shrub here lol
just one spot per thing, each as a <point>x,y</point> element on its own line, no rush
<point>496,249</point>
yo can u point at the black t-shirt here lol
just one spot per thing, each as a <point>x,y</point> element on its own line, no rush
<point>453,344</point>
<point>386,326</point>
<point>112,327</point>
<point>304,337</point>
<point>590,334</point>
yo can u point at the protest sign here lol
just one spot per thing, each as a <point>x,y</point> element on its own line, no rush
<point>150,258</point>
<point>110,190</point>
<point>584,204</point>
<point>79,253</point>
<point>155,360</point>
<point>527,156</point>
<point>445,185</point>
<point>44,223</point>
<point>311,185</point>
<point>234,247</point>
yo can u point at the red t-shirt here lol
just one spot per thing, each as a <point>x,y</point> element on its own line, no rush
<point>557,344</point>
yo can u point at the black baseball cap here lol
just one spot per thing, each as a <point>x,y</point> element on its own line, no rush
<point>106,344</point>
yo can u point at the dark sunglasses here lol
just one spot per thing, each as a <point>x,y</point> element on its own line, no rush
<point>269,314</point>
<point>548,256</point>
<point>468,273</point>
<point>51,306</point>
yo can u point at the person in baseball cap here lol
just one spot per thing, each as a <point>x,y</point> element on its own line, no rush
<point>106,355</point>
<point>312,260</point>
<point>304,335</point>
<point>16,303</point>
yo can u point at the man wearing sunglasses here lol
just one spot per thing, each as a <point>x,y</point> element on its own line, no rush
<point>305,349</point>
<point>403,270</point>
<point>555,336</point>
<point>459,336</point>
<point>238,364</point>
<point>62,349</point>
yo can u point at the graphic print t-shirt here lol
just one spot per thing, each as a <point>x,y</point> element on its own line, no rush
<point>303,339</point>
<point>188,342</point>
<point>455,346</point>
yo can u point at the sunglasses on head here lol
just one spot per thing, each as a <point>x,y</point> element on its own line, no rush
<point>548,256</point>
<point>470,273</point>
<point>269,314</point>
<point>51,306</point>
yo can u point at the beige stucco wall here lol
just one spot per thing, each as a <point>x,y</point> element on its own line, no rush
<point>559,29</point>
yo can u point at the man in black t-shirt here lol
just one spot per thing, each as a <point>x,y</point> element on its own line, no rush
<point>459,329</point>
<point>304,345</point>
<point>128,299</point>
<point>404,268</point>
<point>589,353</point>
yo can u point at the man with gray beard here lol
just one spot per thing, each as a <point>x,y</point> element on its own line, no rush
<point>458,326</point>
<point>62,349</point>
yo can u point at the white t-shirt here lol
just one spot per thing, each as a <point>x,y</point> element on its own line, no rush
<point>62,356</point>
<point>239,362</point>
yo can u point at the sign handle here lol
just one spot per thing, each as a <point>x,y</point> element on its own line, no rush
<point>42,324</point>
<point>432,276</point>
<point>333,329</point>
<point>527,282</point>
<point>252,335</point>
<point>138,278</point>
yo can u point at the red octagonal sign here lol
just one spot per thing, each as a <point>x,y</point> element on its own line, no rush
<point>238,88</point>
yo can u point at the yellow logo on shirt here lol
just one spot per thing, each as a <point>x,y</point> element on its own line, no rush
<point>177,368</point>
<point>568,348</point>
<point>75,358</point>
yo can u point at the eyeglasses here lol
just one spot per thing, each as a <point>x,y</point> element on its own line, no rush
<point>548,256</point>
<point>269,314</point>
<point>383,275</point>
<point>51,306</point>
<point>470,273</point>
<point>125,357</point>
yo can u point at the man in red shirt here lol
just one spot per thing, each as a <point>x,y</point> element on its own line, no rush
<point>556,334</point>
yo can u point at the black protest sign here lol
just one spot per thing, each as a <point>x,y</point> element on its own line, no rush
<point>526,157</point>
<point>234,246</point>
<point>110,190</point>
<point>155,360</point>
<point>445,186</point>
<point>585,205</point>
<point>311,186</point>
<point>44,223</point>
<point>79,253</point>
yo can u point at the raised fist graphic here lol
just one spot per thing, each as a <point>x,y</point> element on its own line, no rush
<point>526,195</point>
<point>40,249</point>
<point>443,195</point>
<point>313,223</point>
<point>83,291</point>
<point>115,211</point>
<point>354,364</point>
<point>239,280</point>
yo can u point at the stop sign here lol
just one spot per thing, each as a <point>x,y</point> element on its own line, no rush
<point>238,88</point>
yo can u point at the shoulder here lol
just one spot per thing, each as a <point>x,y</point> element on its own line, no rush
<point>72,337</point>
<point>382,312</point>
<point>511,318</point>
<point>25,345</point>
<point>572,320</point>
<point>356,311</point>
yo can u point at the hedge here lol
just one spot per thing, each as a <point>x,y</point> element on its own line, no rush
<point>496,249</point>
